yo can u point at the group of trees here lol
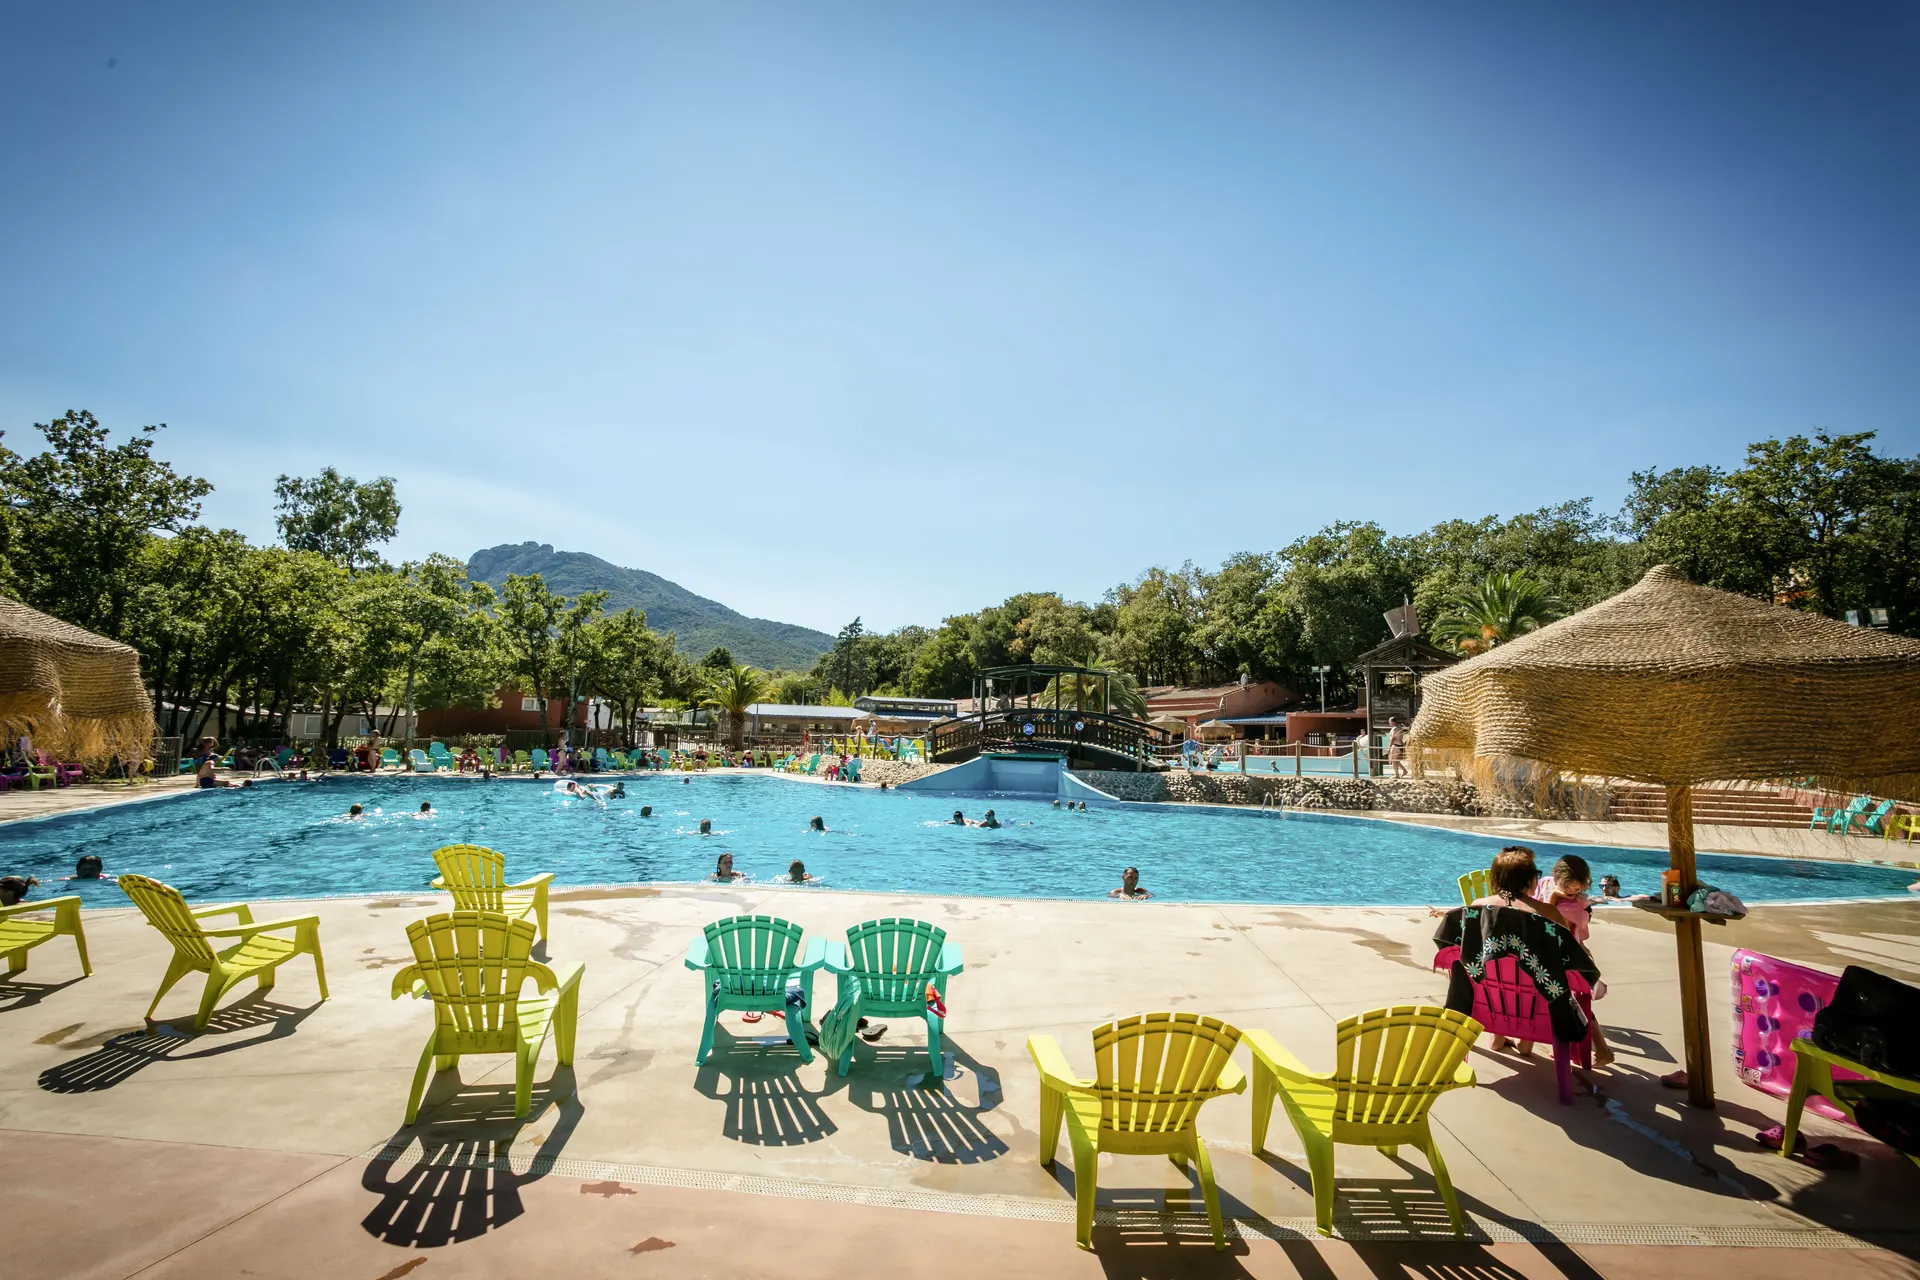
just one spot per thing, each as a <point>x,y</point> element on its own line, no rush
<point>1821,523</point>
<point>235,636</point>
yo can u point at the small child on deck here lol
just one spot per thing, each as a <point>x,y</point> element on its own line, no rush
<point>1566,892</point>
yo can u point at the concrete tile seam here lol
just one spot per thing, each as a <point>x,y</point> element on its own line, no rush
<point>1033,1209</point>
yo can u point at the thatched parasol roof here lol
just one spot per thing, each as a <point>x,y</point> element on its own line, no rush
<point>1678,684</point>
<point>78,694</point>
<point>1172,724</point>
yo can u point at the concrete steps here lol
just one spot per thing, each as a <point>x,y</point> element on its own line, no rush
<point>1712,806</point>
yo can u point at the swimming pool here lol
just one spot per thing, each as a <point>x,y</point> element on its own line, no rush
<point>292,840</point>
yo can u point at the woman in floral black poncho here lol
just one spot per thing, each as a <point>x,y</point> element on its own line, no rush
<point>1510,922</point>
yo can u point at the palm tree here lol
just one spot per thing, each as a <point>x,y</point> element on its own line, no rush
<point>733,689</point>
<point>1123,694</point>
<point>1503,607</point>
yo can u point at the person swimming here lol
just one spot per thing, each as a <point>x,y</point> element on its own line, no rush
<point>619,791</point>
<point>90,868</point>
<point>706,826</point>
<point>356,811</point>
<point>723,870</point>
<point>797,873</point>
<point>959,819</point>
<point>817,823</point>
<point>1129,885</point>
<point>426,809</point>
<point>990,820</point>
<point>646,811</point>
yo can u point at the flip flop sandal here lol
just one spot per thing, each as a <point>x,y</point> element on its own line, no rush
<point>1770,1138</point>
<point>1828,1157</point>
<point>1674,1080</point>
<point>873,1032</point>
<point>753,1015</point>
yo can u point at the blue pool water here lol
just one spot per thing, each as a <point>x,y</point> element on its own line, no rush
<point>290,839</point>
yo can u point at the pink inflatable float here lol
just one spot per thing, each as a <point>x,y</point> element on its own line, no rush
<point>1773,1005</point>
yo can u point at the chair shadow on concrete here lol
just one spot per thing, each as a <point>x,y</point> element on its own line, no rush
<point>766,1105</point>
<point>926,1118</point>
<point>472,1160</point>
<point>124,1056</point>
<point>23,993</point>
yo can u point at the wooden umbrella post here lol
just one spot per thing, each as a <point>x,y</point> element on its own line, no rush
<point>1693,976</point>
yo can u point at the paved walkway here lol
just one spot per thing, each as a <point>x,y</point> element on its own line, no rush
<point>272,1145</point>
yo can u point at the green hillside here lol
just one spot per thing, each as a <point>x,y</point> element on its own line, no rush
<point>697,622</point>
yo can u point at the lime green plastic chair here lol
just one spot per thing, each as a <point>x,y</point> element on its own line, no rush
<point>477,879</point>
<point>747,963</point>
<point>1152,1074</point>
<point>19,935</point>
<point>1813,1069</point>
<point>1473,887</point>
<point>254,954</point>
<point>1390,1065</point>
<point>891,963</point>
<point>472,965</point>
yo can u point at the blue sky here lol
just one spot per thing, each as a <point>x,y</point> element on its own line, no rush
<point>897,309</point>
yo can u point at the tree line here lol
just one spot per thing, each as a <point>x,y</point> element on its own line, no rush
<point>235,636</point>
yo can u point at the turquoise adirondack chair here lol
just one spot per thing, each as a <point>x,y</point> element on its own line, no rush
<point>1831,818</point>
<point>1871,823</point>
<point>441,757</point>
<point>747,963</point>
<point>892,963</point>
<point>601,760</point>
<point>851,773</point>
<point>539,759</point>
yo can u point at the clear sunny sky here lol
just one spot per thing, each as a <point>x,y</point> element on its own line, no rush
<point>895,309</point>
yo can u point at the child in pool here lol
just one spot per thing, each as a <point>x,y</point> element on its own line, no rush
<point>797,873</point>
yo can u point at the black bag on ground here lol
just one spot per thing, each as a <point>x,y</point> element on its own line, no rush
<point>1874,1020</point>
<point>1887,1114</point>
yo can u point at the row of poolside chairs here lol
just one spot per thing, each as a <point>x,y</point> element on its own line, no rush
<point>1863,813</point>
<point>871,748</point>
<point>42,771</point>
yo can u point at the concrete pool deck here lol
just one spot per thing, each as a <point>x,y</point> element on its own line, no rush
<point>272,1145</point>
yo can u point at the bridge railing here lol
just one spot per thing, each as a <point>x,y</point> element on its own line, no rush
<point>1044,728</point>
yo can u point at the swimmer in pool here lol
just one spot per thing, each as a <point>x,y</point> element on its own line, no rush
<point>797,873</point>
<point>959,819</point>
<point>706,826</point>
<point>89,868</point>
<point>723,870</point>
<point>356,811</point>
<point>1129,885</point>
<point>817,823</point>
<point>619,791</point>
<point>646,811</point>
<point>426,809</point>
<point>989,820</point>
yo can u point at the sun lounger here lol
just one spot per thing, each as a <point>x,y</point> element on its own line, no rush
<point>254,954</point>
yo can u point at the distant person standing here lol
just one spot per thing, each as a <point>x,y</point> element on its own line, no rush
<point>1397,746</point>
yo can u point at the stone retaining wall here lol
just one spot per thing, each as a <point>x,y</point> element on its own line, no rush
<point>895,772</point>
<point>1397,795</point>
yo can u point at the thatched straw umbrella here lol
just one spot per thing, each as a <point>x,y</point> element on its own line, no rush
<point>1676,684</point>
<point>78,694</point>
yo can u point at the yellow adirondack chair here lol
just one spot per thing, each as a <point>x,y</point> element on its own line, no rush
<point>477,879</point>
<point>1473,887</point>
<point>1813,1073</point>
<point>18,936</point>
<point>1152,1073</point>
<point>472,965</point>
<point>1390,1065</point>
<point>254,955</point>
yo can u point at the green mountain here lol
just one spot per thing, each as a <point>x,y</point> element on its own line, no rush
<point>697,622</point>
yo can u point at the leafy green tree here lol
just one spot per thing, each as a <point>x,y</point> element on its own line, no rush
<point>733,690</point>
<point>87,508</point>
<point>433,600</point>
<point>1502,607</point>
<point>337,516</point>
<point>528,614</point>
<point>848,669</point>
<point>719,658</point>
<point>626,665</point>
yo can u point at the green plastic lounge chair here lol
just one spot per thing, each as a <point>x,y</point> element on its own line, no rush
<point>1389,1066</point>
<point>813,764</point>
<point>254,954</point>
<point>521,760</point>
<point>1813,1069</point>
<point>1473,887</point>
<point>1830,818</point>
<point>1152,1074</point>
<point>473,965</point>
<point>477,879</point>
<point>389,758</point>
<point>441,757</point>
<point>746,964</point>
<point>1871,823</point>
<point>891,963</point>
<point>19,935</point>
<point>539,759</point>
